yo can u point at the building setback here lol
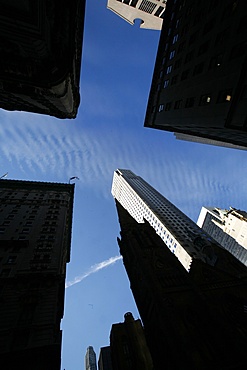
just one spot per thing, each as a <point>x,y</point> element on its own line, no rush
<point>178,232</point>
<point>228,228</point>
<point>128,345</point>
<point>192,320</point>
<point>90,359</point>
<point>199,85</point>
<point>35,237</point>
<point>41,47</point>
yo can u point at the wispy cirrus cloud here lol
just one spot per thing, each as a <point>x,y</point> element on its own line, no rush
<point>55,151</point>
<point>93,269</point>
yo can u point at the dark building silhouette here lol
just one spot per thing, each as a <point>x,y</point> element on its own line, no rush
<point>196,319</point>
<point>128,345</point>
<point>41,46</point>
<point>105,362</point>
<point>35,237</point>
<point>199,86</point>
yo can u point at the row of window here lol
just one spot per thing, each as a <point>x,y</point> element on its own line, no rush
<point>221,37</point>
<point>224,96</point>
<point>215,62</point>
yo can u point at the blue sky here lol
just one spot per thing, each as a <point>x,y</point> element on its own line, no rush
<point>108,133</point>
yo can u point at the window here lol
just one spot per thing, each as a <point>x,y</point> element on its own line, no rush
<point>244,93</point>
<point>203,48</point>
<point>159,11</point>
<point>189,10</point>
<point>181,46</point>
<point>222,37</point>
<point>169,69</point>
<point>2,229</point>
<point>172,53</point>
<point>192,38</point>
<point>168,106</point>
<point>166,83</point>
<point>177,23</point>
<point>178,63</point>
<point>11,259</point>
<point>175,38</point>
<point>224,96</point>
<point>185,74</point>
<point>216,61</point>
<point>161,107</point>
<point>189,56</point>
<point>189,102</point>
<point>213,4</point>
<point>238,50</point>
<point>198,17</point>
<point>208,26</point>
<point>198,69</point>
<point>205,99</point>
<point>6,223</point>
<point>174,80</point>
<point>5,272</point>
<point>185,29</point>
<point>242,27</point>
<point>178,104</point>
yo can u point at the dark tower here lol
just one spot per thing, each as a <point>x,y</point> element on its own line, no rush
<point>199,86</point>
<point>41,47</point>
<point>193,319</point>
<point>128,345</point>
<point>35,237</point>
<point>105,361</point>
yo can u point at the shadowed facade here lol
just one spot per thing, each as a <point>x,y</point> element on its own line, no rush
<point>193,320</point>
<point>35,237</point>
<point>41,47</point>
<point>199,86</point>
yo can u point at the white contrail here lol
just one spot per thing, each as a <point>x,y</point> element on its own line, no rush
<point>92,270</point>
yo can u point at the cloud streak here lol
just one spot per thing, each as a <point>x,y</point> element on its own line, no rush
<point>95,268</point>
<point>44,149</point>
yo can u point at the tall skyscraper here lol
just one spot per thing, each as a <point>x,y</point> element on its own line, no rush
<point>199,84</point>
<point>151,12</point>
<point>90,359</point>
<point>178,232</point>
<point>41,48</point>
<point>129,349</point>
<point>192,320</point>
<point>228,228</point>
<point>35,238</point>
